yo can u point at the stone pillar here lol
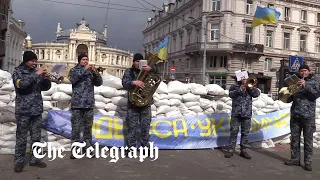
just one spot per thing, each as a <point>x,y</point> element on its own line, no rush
<point>89,53</point>
<point>70,51</point>
<point>75,58</point>
<point>93,54</point>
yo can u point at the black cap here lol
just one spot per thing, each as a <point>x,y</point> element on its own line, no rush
<point>29,56</point>
<point>81,56</point>
<point>137,57</point>
<point>304,66</point>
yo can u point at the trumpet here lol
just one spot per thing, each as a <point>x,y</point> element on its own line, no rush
<point>251,82</point>
<point>96,70</point>
<point>53,78</point>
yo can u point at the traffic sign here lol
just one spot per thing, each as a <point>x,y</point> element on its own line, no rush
<point>173,69</point>
<point>172,75</point>
<point>295,63</point>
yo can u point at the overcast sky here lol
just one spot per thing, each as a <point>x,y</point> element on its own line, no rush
<point>124,27</point>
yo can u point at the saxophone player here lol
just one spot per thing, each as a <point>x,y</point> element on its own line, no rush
<point>28,83</point>
<point>83,80</point>
<point>241,95</point>
<point>303,117</point>
<point>137,115</point>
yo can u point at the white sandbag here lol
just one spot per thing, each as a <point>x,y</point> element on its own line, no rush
<point>5,75</point>
<point>47,105</point>
<point>153,107</point>
<point>46,98</point>
<point>66,88</point>
<point>99,105</point>
<point>196,109</point>
<point>157,95</point>
<point>8,137</point>
<point>214,105</point>
<point>318,121</point>
<point>259,103</point>
<point>5,92</point>
<point>119,101</point>
<point>6,130</point>
<point>163,102</point>
<point>154,113</point>
<point>121,92</point>
<point>224,111</point>
<point>60,96</point>
<point>97,90</point>
<point>64,141</point>
<point>227,107</point>
<point>259,113</point>
<point>8,144</point>
<point>189,113</point>
<point>2,104</point>
<point>175,102</point>
<point>98,97</point>
<point>106,100</point>
<point>183,108</point>
<point>190,97</point>
<point>209,111</point>
<point>163,96</point>
<point>215,89</point>
<point>174,113</point>
<point>190,104</point>
<point>225,99</point>
<point>174,96</point>
<point>102,111</point>
<point>177,87</point>
<point>198,89</point>
<point>51,91</point>
<point>162,88</point>
<point>7,151</point>
<point>8,86</point>
<point>229,103</point>
<point>108,92</point>
<point>112,113</point>
<point>220,105</point>
<point>6,98</point>
<point>164,109</point>
<point>111,107</point>
<point>112,81</point>
<point>205,103</point>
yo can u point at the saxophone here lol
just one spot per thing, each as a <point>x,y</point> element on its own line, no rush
<point>141,96</point>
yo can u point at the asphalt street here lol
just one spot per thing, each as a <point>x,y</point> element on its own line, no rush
<point>266,164</point>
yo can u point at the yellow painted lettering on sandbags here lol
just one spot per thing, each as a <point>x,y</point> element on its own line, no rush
<point>98,134</point>
<point>207,127</point>
<point>216,126</point>
<point>117,128</point>
<point>158,134</point>
<point>184,129</point>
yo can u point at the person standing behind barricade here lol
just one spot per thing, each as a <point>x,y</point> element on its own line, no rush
<point>303,117</point>
<point>137,115</point>
<point>241,114</point>
<point>83,78</point>
<point>28,83</point>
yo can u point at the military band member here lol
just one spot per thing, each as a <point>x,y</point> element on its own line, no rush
<point>137,115</point>
<point>241,115</point>
<point>28,82</point>
<point>83,79</point>
<point>303,117</point>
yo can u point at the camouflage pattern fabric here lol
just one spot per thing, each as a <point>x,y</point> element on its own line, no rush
<point>25,123</point>
<point>82,118</point>
<point>136,117</point>
<point>242,100</point>
<point>83,82</point>
<point>296,126</point>
<point>28,86</point>
<point>235,123</point>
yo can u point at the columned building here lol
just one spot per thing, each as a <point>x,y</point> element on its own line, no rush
<point>223,29</point>
<point>82,40</point>
<point>4,13</point>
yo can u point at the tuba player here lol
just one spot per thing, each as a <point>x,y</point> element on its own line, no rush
<point>137,115</point>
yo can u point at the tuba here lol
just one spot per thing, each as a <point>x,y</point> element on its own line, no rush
<point>251,82</point>
<point>141,96</point>
<point>286,92</point>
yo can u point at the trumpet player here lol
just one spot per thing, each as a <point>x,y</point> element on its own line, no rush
<point>241,114</point>
<point>303,117</point>
<point>137,115</point>
<point>83,78</point>
<point>28,82</point>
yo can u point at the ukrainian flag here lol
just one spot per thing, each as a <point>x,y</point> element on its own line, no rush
<point>162,49</point>
<point>265,16</point>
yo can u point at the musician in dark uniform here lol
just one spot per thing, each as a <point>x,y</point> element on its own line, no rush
<point>303,117</point>
<point>241,115</point>
<point>137,115</point>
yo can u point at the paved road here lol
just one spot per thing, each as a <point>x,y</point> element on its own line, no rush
<point>267,164</point>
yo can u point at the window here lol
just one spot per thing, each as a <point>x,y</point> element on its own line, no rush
<point>317,68</point>
<point>247,64</point>
<point>318,19</point>
<point>188,63</point>
<point>286,41</point>
<point>174,44</point>
<point>198,35</point>
<point>181,41</point>
<point>248,35</point>
<point>182,19</point>
<point>215,5</point>
<point>269,39</point>
<point>303,39</point>
<point>215,32</point>
<point>303,16</point>
<point>318,44</point>
<point>270,5</point>
<point>220,80</point>
<point>287,12</point>
<point>267,64</point>
<point>218,61</point>
<point>169,27</point>
<point>191,13</point>
<point>249,7</point>
<point>189,37</point>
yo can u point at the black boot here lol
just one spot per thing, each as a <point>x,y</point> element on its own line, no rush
<point>292,163</point>
<point>308,167</point>
<point>38,164</point>
<point>228,154</point>
<point>245,155</point>
<point>18,168</point>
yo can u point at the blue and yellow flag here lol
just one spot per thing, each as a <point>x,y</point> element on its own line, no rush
<point>162,49</point>
<point>265,16</point>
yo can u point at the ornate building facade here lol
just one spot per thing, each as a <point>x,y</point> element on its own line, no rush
<point>4,26</point>
<point>222,29</point>
<point>73,42</point>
